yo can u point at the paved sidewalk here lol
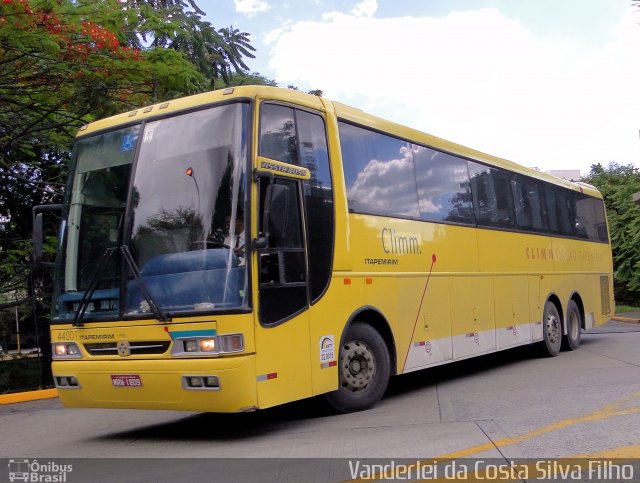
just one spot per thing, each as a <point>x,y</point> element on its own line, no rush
<point>633,317</point>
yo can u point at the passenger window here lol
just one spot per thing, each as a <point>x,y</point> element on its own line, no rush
<point>444,191</point>
<point>492,196</point>
<point>527,203</point>
<point>379,173</point>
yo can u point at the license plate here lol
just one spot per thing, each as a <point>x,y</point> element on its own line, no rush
<point>126,380</point>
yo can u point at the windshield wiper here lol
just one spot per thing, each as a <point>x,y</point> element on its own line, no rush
<point>97,276</point>
<point>93,284</point>
<point>157,311</point>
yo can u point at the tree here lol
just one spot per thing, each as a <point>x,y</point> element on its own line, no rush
<point>617,183</point>
<point>64,63</point>
<point>244,79</point>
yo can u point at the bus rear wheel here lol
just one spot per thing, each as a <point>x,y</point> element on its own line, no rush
<point>571,341</point>
<point>551,330</point>
<point>363,369</point>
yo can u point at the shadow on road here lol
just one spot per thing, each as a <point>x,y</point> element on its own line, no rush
<point>230,427</point>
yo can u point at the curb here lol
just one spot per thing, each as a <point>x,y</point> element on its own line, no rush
<point>19,397</point>
<point>625,319</point>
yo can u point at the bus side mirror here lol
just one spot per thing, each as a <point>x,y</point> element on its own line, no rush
<point>274,215</point>
<point>37,235</point>
<point>38,239</point>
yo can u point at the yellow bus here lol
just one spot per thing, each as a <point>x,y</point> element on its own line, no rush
<point>251,246</point>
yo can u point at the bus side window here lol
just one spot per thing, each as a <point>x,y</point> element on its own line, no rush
<point>282,264</point>
<point>298,136</point>
<point>526,197</point>
<point>278,133</point>
<point>482,191</point>
<point>492,196</point>
<point>444,191</point>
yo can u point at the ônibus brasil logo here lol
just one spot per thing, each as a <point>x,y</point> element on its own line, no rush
<point>33,471</point>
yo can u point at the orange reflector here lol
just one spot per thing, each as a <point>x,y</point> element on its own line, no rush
<point>347,281</point>
<point>369,281</point>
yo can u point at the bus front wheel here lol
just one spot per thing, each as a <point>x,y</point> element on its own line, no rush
<point>571,341</point>
<point>363,369</point>
<point>551,330</point>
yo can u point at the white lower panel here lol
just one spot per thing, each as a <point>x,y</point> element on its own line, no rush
<point>429,353</point>
<point>536,331</point>
<point>513,336</point>
<point>473,343</point>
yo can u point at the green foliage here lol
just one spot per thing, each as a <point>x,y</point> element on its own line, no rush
<point>244,79</point>
<point>618,183</point>
<point>64,63</point>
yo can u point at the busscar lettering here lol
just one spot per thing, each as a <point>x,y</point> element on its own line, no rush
<point>284,169</point>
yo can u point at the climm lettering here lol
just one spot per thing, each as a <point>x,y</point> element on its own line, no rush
<point>562,255</point>
<point>539,253</point>
<point>397,244</point>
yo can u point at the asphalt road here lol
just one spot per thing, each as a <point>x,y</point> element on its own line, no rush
<point>509,405</point>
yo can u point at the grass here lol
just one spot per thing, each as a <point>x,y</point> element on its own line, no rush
<point>621,309</point>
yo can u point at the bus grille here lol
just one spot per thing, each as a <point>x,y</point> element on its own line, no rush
<point>605,295</point>
<point>137,348</point>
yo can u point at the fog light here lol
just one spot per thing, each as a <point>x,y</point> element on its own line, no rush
<point>211,381</point>
<point>195,382</point>
<point>66,381</point>
<point>207,345</point>
<point>191,345</point>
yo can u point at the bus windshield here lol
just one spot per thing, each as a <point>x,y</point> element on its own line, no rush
<point>182,217</point>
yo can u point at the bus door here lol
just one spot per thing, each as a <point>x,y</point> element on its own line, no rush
<point>282,329</point>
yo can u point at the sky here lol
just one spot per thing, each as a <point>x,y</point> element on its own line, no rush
<point>550,84</point>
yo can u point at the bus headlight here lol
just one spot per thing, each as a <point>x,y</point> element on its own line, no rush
<point>190,345</point>
<point>208,345</point>
<point>222,344</point>
<point>66,350</point>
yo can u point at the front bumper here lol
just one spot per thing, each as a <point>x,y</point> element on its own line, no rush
<point>162,384</point>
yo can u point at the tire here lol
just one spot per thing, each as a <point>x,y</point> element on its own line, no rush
<point>364,369</point>
<point>551,330</point>
<point>571,341</point>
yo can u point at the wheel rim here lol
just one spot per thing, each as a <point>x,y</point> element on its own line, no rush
<point>553,329</point>
<point>573,326</point>
<point>357,366</point>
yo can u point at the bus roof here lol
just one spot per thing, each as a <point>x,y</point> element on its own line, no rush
<point>342,111</point>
